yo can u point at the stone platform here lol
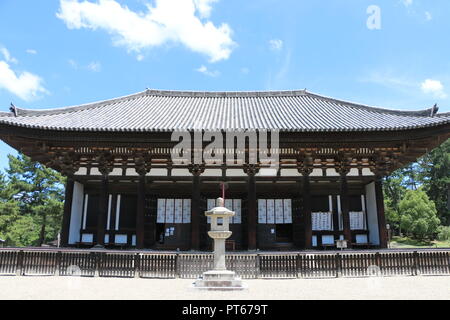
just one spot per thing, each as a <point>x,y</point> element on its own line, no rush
<point>220,280</point>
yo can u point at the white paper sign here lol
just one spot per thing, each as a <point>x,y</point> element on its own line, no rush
<point>187,211</point>
<point>237,205</point>
<point>178,211</point>
<point>279,215</point>
<point>161,211</point>
<point>287,208</point>
<point>262,211</point>
<point>270,211</point>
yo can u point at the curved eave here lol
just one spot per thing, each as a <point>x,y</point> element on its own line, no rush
<point>222,94</point>
<point>153,130</point>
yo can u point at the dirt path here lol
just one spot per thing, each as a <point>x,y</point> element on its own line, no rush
<point>425,287</point>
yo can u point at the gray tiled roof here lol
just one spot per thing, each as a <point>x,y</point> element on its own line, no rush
<point>154,110</point>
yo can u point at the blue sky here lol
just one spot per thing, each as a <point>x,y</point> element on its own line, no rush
<point>389,53</point>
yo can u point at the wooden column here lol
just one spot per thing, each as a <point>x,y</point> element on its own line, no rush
<point>380,212</point>
<point>335,214</point>
<point>196,171</point>
<point>105,166</point>
<point>307,209</point>
<point>298,236</point>
<point>345,207</point>
<point>68,199</point>
<point>102,211</point>
<point>251,208</point>
<point>305,168</point>
<point>343,165</point>
<point>142,163</point>
<point>140,214</point>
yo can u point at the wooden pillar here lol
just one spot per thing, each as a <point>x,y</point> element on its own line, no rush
<point>298,236</point>
<point>251,211</point>
<point>345,207</point>
<point>140,214</point>
<point>307,209</point>
<point>102,211</point>
<point>335,213</point>
<point>67,211</point>
<point>196,170</point>
<point>380,212</point>
<point>195,212</point>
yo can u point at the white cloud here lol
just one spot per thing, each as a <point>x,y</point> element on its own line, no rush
<point>245,70</point>
<point>95,66</point>
<point>207,72</point>
<point>169,21</point>
<point>407,3</point>
<point>25,85</point>
<point>276,44</point>
<point>434,87</point>
<point>31,51</point>
<point>428,16</point>
<point>204,7</point>
<point>73,63</point>
<point>7,56</point>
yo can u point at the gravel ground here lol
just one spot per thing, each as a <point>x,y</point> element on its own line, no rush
<point>422,287</point>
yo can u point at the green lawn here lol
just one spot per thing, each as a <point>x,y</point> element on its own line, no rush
<point>404,242</point>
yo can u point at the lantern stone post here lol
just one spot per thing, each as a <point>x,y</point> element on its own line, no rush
<point>219,278</point>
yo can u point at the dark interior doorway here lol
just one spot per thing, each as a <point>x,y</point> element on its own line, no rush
<point>283,233</point>
<point>160,232</point>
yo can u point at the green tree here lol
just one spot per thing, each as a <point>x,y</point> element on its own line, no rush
<point>419,218</point>
<point>394,188</point>
<point>40,193</point>
<point>435,176</point>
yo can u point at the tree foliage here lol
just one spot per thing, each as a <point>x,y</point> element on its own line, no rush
<point>419,217</point>
<point>430,174</point>
<point>31,203</point>
<point>435,176</point>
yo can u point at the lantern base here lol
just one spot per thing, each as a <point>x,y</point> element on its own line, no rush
<point>222,280</point>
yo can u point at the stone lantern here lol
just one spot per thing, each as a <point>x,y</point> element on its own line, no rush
<point>219,278</point>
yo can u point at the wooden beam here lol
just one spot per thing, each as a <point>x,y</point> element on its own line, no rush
<point>103,211</point>
<point>67,211</point>
<point>195,209</point>
<point>251,211</point>
<point>307,211</point>
<point>380,212</point>
<point>345,206</point>
<point>140,220</point>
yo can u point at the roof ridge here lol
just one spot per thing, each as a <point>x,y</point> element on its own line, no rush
<point>419,113</point>
<point>256,93</point>
<point>430,112</point>
<point>86,106</point>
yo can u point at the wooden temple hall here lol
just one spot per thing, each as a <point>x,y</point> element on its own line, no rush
<point>124,190</point>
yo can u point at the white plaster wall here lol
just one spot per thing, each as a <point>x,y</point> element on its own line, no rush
<point>81,172</point>
<point>131,172</point>
<point>316,173</point>
<point>267,172</point>
<point>212,173</point>
<point>95,172</point>
<point>116,172</point>
<point>235,173</point>
<point>290,173</point>
<point>372,218</point>
<point>367,172</point>
<point>353,172</point>
<point>156,172</point>
<point>181,173</point>
<point>331,172</point>
<point>76,213</point>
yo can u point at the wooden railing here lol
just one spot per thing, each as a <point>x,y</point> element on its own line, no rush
<point>105,263</point>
